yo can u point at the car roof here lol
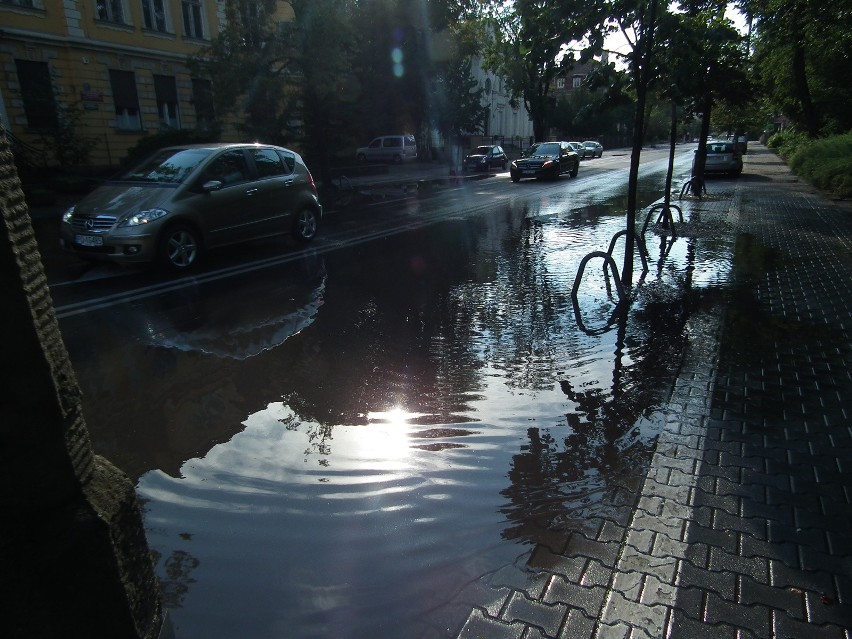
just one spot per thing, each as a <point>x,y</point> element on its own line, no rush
<point>220,145</point>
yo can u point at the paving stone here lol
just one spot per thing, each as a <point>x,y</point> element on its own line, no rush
<point>722,583</point>
<point>577,626</point>
<point>789,600</point>
<point>755,567</point>
<point>515,578</point>
<point>588,599</point>
<point>682,626</point>
<point>757,619</point>
<point>725,539</point>
<point>478,626</point>
<point>813,537</point>
<point>784,627</point>
<point>752,547</point>
<point>548,617</point>
<point>596,574</point>
<point>826,608</point>
<point>754,526</point>
<point>543,558</point>
<point>605,552</point>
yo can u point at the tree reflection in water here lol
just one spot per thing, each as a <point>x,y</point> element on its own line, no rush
<point>573,477</point>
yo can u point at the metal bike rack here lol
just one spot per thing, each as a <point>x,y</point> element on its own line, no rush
<point>608,262</point>
<point>688,185</point>
<point>665,216</point>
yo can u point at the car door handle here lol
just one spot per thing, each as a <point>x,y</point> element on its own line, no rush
<point>251,191</point>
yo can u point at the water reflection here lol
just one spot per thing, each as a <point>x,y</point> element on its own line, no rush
<point>437,411</point>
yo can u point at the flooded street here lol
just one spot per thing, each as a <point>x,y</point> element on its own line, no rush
<point>339,445</point>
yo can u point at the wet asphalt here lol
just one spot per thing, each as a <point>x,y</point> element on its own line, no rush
<point>742,526</point>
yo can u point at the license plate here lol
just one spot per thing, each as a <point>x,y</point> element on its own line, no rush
<point>88,240</point>
<point>529,172</point>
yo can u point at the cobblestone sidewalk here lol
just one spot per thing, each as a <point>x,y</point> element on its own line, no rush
<point>743,524</point>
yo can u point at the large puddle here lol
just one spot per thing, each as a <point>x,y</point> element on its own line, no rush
<point>343,455</point>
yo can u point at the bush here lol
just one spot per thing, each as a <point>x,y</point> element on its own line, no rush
<point>786,143</point>
<point>826,163</point>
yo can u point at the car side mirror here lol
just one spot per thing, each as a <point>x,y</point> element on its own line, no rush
<point>211,185</point>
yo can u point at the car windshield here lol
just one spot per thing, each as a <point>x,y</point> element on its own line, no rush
<point>548,148</point>
<point>169,166</point>
<point>720,147</point>
<point>482,150</point>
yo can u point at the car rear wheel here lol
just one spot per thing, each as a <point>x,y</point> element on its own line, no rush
<point>515,177</point>
<point>180,248</point>
<point>305,225</point>
<point>575,170</point>
<point>362,158</point>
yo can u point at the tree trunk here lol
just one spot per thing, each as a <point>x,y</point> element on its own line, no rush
<point>643,77</point>
<point>697,186</point>
<point>800,81</point>
<point>75,559</point>
<point>670,170</point>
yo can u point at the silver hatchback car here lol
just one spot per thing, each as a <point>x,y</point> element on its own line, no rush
<point>184,200</point>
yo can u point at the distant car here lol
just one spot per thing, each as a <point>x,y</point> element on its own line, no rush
<point>593,149</point>
<point>546,160</point>
<point>579,149</point>
<point>485,157</point>
<point>722,157</point>
<point>184,200</point>
<point>389,148</point>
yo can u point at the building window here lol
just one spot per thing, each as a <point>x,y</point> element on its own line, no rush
<point>37,94</point>
<point>154,15</point>
<point>21,3</point>
<point>202,98</point>
<point>560,83</point>
<point>577,81</point>
<point>110,11</point>
<point>167,101</point>
<point>193,23</point>
<point>126,100</point>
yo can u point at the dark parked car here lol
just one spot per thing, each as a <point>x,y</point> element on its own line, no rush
<point>184,200</point>
<point>593,149</point>
<point>546,160</point>
<point>486,157</point>
<point>723,157</point>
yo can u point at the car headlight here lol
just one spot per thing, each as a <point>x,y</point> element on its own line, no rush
<point>547,163</point>
<point>514,164</point>
<point>144,217</point>
<point>68,215</point>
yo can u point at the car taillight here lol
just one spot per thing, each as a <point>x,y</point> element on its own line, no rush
<point>311,182</point>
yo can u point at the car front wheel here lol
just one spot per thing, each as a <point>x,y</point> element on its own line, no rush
<point>574,171</point>
<point>180,248</point>
<point>305,225</point>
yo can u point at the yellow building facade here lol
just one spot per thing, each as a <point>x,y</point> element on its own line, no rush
<point>118,66</point>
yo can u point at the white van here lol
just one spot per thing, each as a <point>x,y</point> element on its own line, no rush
<point>389,148</point>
